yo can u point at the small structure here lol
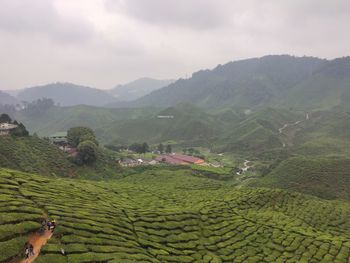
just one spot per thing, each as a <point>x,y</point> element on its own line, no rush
<point>169,160</point>
<point>5,128</point>
<point>179,159</point>
<point>71,151</point>
<point>59,138</point>
<point>165,117</point>
<point>128,162</point>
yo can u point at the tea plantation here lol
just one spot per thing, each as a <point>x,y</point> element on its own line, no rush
<point>169,216</point>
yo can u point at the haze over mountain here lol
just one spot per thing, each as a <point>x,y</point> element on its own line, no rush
<point>278,80</point>
<point>67,94</point>
<point>6,98</point>
<point>138,88</point>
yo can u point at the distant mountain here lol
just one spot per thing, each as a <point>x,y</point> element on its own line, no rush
<point>278,80</point>
<point>138,88</point>
<point>67,94</point>
<point>5,98</point>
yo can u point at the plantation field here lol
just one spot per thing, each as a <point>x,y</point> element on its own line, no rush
<point>170,216</point>
<point>323,177</point>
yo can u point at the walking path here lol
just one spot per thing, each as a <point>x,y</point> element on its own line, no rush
<point>245,168</point>
<point>38,241</point>
<point>280,130</point>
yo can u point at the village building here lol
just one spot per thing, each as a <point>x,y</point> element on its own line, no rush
<point>59,138</point>
<point>165,117</point>
<point>5,128</point>
<point>179,159</point>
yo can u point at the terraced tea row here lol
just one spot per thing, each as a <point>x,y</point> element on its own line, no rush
<point>170,216</point>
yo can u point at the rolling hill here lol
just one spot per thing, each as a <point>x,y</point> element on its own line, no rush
<point>276,81</point>
<point>162,216</point>
<point>67,94</point>
<point>137,88</point>
<point>7,99</point>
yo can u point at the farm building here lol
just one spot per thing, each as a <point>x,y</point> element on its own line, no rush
<point>59,138</point>
<point>179,159</point>
<point>5,128</point>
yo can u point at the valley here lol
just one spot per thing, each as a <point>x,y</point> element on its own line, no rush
<point>248,162</point>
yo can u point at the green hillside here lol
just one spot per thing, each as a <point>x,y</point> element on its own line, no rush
<point>31,154</point>
<point>323,177</point>
<point>226,130</point>
<point>35,155</point>
<point>170,217</point>
<point>62,118</point>
<point>275,81</point>
<point>66,94</point>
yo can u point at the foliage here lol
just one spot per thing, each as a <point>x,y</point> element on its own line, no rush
<point>170,216</point>
<point>168,149</point>
<point>324,177</point>
<point>277,81</point>
<point>87,152</point>
<point>139,147</point>
<point>77,135</point>
<point>5,118</point>
<point>160,148</point>
<point>38,107</point>
<point>20,130</point>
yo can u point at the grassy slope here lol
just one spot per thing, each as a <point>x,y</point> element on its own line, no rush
<point>32,154</point>
<point>323,177</point>
<point>63,118</point>
<point>170,216</point>
<point>318,160</point>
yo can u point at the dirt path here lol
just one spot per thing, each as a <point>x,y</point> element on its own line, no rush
<point>38,241</point>
<point>286,125</point>
<point>245,168</point>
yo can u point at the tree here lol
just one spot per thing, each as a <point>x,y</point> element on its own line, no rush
<point>87,152</point>
<point>168,149</point>
<point>161,148</point>
<point>5,118</point>
<point>77,135</point>
<point>20,130</point>
<point>145,147</point>
<point>139,148</point>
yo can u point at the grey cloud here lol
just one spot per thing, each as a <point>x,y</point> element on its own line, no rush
<point>41,17</point>
<point>203,14</point>
<point>117,41</point>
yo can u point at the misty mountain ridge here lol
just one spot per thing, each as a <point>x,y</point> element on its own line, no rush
<point>138,88</point>
<point>69,94</point>
<point>66,94</point>
<point>273,80</point>
<point>6,98</point>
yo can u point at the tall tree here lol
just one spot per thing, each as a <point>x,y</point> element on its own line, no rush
<point>145,147</point>
<point>161,148</point>
<point>76,135</point>
<point>5,118</point>
<point>87,152</point>
<point>168,149</point>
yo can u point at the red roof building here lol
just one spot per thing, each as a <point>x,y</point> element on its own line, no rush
<point>177,159</point>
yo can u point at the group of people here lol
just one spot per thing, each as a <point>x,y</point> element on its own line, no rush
<point>50,225</point>
<point>28,247</point>
<point>28,250</point>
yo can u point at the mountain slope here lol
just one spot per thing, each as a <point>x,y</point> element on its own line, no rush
<point>283,81</point>
<point>138,88</point>
<point>7,99</point>
<point>31,154</point>
<point>67,94</point>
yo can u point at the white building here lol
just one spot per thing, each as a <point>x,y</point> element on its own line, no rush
<point>5,128</point>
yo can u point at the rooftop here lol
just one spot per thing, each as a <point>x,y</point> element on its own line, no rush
<point>58,134</point>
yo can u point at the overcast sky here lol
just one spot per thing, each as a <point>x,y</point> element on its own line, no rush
<point>101,43</point>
